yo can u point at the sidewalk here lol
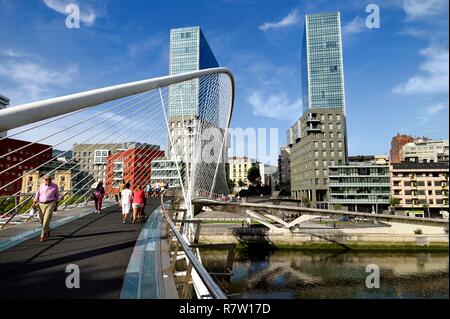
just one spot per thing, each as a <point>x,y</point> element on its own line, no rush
<point>15,234</point>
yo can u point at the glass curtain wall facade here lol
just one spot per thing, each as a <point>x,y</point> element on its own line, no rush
<point>189,51</point>
<point>322,65</point>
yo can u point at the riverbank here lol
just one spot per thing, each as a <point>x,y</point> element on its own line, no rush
<point>335,240</point>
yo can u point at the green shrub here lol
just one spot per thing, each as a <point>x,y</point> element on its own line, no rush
<point>418,231</point>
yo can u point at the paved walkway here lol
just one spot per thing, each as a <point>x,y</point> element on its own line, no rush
<point>100,245</point>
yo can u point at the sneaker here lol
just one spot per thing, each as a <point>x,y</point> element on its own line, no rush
<point>124,221</point>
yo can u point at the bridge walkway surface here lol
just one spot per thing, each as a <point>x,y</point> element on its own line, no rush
<point>100,245</point>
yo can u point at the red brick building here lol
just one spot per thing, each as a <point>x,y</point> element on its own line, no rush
<point>396,146</point>
<point>21,160</point>
<point>133,165</point>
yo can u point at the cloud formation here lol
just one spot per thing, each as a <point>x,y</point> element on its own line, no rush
<point>421,9</point>
<point>357,25</point>
<point>434,75</point>
<point>290,20</point>
<point>87,17</point>
<point>32,79</point>
<point>276,106</point>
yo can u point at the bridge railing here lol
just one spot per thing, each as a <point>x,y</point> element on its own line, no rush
<point>117,133</point>
<point>201,278</point>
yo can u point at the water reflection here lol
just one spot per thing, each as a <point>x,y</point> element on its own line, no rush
<point>308,274</point>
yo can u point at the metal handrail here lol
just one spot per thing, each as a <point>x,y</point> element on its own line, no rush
<point>210,284</point>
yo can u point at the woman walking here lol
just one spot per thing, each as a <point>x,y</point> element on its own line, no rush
<point>121,188</point>
<point>138,203</point>
<point>98,195</point>
<point>126,198</point>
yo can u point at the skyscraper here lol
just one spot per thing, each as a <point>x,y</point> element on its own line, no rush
<point>322,65</point>
<point>319,138</point>
<point>190,106</point>
<point>189,51</point>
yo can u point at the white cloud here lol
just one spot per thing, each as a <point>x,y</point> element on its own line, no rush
<point>87,17</point>
<point>148,44</point>
<point>276,106</point>
<point>12,53</point>
<point>357,25</point>
<point>291,19</point>
<point>35,81</point>
<point>420,9</point>
<point>436,108</point>
<point>434,76</point>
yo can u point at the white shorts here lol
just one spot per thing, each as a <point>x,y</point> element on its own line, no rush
<point>137,205</point>
<point>126,209</point>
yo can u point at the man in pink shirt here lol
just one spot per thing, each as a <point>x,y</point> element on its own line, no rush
<point>47,196</point>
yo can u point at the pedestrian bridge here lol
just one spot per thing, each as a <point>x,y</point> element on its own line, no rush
<point>171,130</point>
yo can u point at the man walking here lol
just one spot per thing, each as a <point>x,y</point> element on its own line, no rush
<point>47,196</point>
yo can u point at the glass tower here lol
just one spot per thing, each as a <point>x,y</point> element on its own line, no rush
<point>322,66</point>
<point>189,51</point>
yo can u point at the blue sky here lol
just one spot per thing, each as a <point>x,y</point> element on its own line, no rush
<point>396,76</point>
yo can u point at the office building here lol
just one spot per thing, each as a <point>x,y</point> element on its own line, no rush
<point>269,174</point>
<point>319,138</point>
<point>238,169</point>
<point>13,165</point>
<point>322,64</point>
<point>419,184</point>
<point>166,171</point>
<point>132,165</point>
<point>425,151</point>
<point>4,102</point>
<point>284,169</point>
<point>92,157</point>
<point>360,186</point>
<point>189,51</point>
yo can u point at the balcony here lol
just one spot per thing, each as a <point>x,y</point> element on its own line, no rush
<point>313,129</point>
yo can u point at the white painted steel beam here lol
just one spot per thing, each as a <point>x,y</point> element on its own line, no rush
<point>25,114</point>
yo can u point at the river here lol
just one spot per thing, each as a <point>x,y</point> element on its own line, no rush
<point>296,274</point>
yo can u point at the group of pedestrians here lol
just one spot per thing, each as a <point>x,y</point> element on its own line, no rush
<point>154,190</point>
<point>132,199</point>
<point>47,198</point>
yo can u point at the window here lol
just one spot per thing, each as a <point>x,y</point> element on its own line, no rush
<point>324,144</point>
<point>100,157</point>
<point>338,117</point>
<point>324,153</point>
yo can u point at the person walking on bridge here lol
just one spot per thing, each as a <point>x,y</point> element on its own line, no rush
<point>98,195</point>
<point>138,203</point>
<point>47,197</point>
<point>126,198</point>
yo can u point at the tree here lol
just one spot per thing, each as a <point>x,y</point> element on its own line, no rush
<point>241,183</point>
<point>426,208</point>
<point>337,206</point>
<point>306,202</point>
<point>253,175</point>
<point>393,201</point>
<point>230,185</point>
